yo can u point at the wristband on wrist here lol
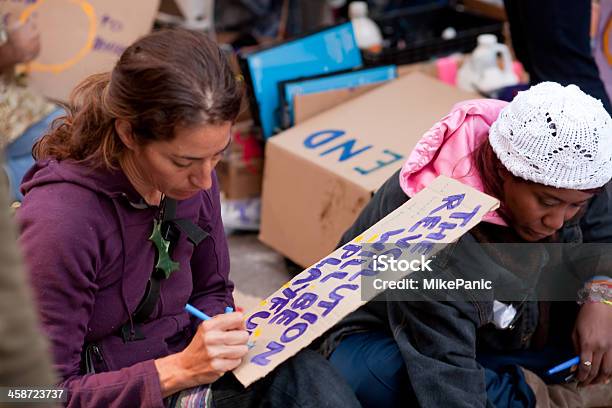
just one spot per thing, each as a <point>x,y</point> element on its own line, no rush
<point>595,292</point>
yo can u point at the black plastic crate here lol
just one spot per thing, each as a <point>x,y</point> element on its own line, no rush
<point>416,35</point>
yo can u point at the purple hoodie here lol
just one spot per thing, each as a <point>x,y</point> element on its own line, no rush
<point>84,237</point>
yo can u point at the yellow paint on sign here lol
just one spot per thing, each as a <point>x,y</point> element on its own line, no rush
<point>60,67</point>
<point>374,237</point>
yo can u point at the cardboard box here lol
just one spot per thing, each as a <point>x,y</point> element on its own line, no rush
<point>240,170</point>
<point>428,68</point>
<point>319,175</point>
<point>309,105</point>
<point>239,181</point>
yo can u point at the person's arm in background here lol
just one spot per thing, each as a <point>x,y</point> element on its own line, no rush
<point>22,43</point>
<point>24,355</point>
<point>552,40</point>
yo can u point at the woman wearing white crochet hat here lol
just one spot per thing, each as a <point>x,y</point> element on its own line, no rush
<point>547,156</point>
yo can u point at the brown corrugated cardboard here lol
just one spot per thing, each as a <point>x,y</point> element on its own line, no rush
<point>239,181</point>
<point>428,68</point>
<point>320,174</point>
<point>240,170</point>
<point>309,105</point>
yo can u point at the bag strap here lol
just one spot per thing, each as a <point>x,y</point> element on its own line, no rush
<point>170,230</point>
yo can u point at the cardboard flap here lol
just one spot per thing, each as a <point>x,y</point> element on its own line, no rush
<point>317,298</point>
<point>366,139</point>
<point>309,105</point>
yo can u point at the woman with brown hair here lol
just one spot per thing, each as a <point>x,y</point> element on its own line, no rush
<point>121,228</point>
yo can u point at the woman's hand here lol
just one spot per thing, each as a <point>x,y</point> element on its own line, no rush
<point>22,45</point>
<point>592,338</point>
<point>217,347</point>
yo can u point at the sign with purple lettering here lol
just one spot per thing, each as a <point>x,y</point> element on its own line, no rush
<point>312,302</point>
<point>78,37</point>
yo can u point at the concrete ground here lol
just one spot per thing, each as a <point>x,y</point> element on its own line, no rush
<point>257,271</point>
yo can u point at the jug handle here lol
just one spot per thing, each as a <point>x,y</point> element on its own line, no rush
<point>506,58</point>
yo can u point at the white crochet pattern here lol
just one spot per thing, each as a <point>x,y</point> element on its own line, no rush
<point>557,136</point>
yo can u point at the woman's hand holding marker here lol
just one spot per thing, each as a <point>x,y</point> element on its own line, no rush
<point>217,347</point>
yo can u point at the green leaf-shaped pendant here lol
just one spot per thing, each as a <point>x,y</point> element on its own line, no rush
<point>164,262</point>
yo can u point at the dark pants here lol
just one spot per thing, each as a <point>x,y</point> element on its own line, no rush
<point>374,368</point>
<point>306,380</point>
<point>552,40</point>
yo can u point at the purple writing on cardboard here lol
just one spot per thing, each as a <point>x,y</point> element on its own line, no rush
<point>333,144</point>
<point>308,305</point>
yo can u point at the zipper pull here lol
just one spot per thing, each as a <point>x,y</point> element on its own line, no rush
<point>98,353</point>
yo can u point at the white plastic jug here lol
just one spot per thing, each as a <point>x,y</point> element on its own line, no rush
<point>367,33</point>
<point>480,71</point>
<point>199,14</point>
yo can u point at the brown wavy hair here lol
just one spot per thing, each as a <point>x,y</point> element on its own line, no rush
<point>490,168</point>
<point>166,79</point>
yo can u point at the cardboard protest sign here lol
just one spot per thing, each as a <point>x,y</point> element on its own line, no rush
<point>78,37</point>
<point>313,301</point>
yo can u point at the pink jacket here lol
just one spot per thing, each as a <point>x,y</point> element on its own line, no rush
<point>446,148</point>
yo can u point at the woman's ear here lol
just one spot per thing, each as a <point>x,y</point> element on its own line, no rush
<point>124,130</point>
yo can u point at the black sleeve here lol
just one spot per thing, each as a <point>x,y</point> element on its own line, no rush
<point>437,341</point>
<point>596,225</point>
<point>594,256</point>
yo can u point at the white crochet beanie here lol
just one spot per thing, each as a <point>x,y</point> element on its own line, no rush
<point>557,136</point>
